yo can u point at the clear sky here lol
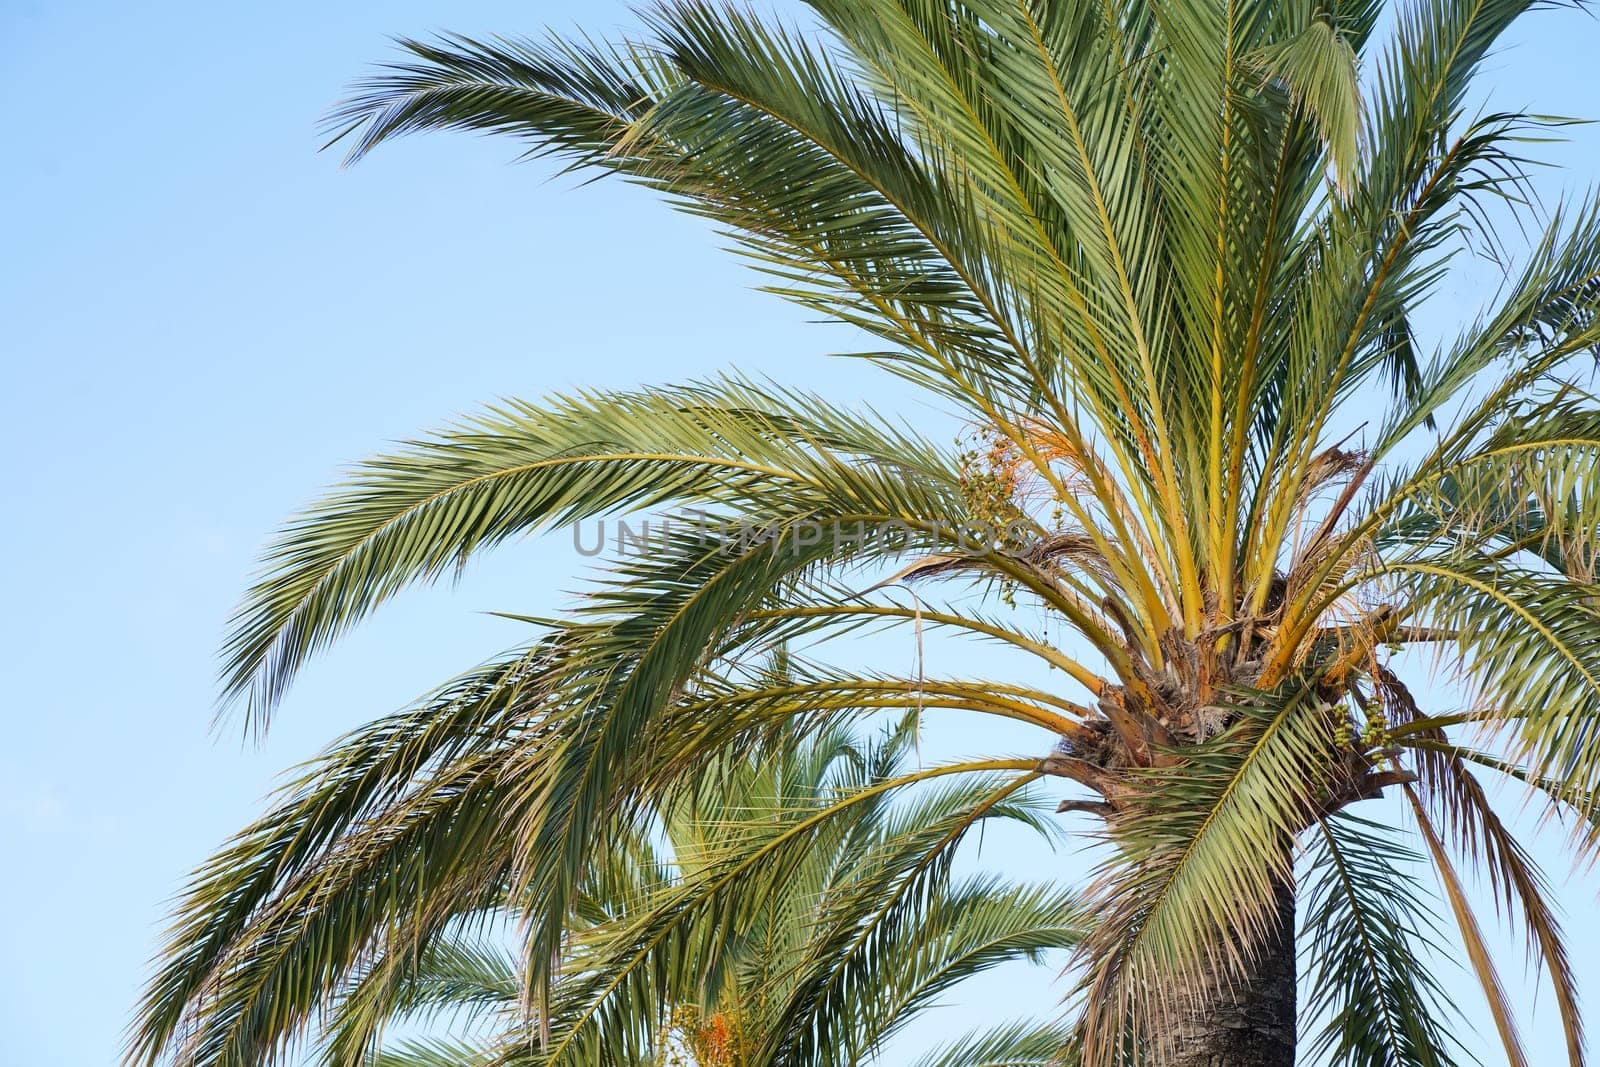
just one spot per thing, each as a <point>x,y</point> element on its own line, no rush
<point>203,319</point>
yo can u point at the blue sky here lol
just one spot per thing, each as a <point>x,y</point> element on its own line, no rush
<point>204,319</point>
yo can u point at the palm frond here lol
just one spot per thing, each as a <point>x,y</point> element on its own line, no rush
<point>1369,941</point>
<point>419,513</point>
<point>1015,1045</point>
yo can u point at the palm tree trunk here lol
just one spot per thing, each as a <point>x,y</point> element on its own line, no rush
<point>1252,1024</point>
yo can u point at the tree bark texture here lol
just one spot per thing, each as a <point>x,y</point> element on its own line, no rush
<point>1252,1024</point>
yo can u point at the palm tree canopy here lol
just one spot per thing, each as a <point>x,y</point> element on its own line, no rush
<point>820,957</point>
<point>1164,259</point>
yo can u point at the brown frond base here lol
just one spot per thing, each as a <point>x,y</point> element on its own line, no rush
<point>1251,1025</point>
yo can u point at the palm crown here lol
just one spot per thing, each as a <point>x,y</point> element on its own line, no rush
<point>1158,256</point>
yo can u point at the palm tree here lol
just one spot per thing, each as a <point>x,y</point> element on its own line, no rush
<point>755,982</point>
<point>1163,259</point>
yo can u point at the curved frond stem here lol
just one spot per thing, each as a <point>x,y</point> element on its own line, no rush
<point>1077,671</point>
